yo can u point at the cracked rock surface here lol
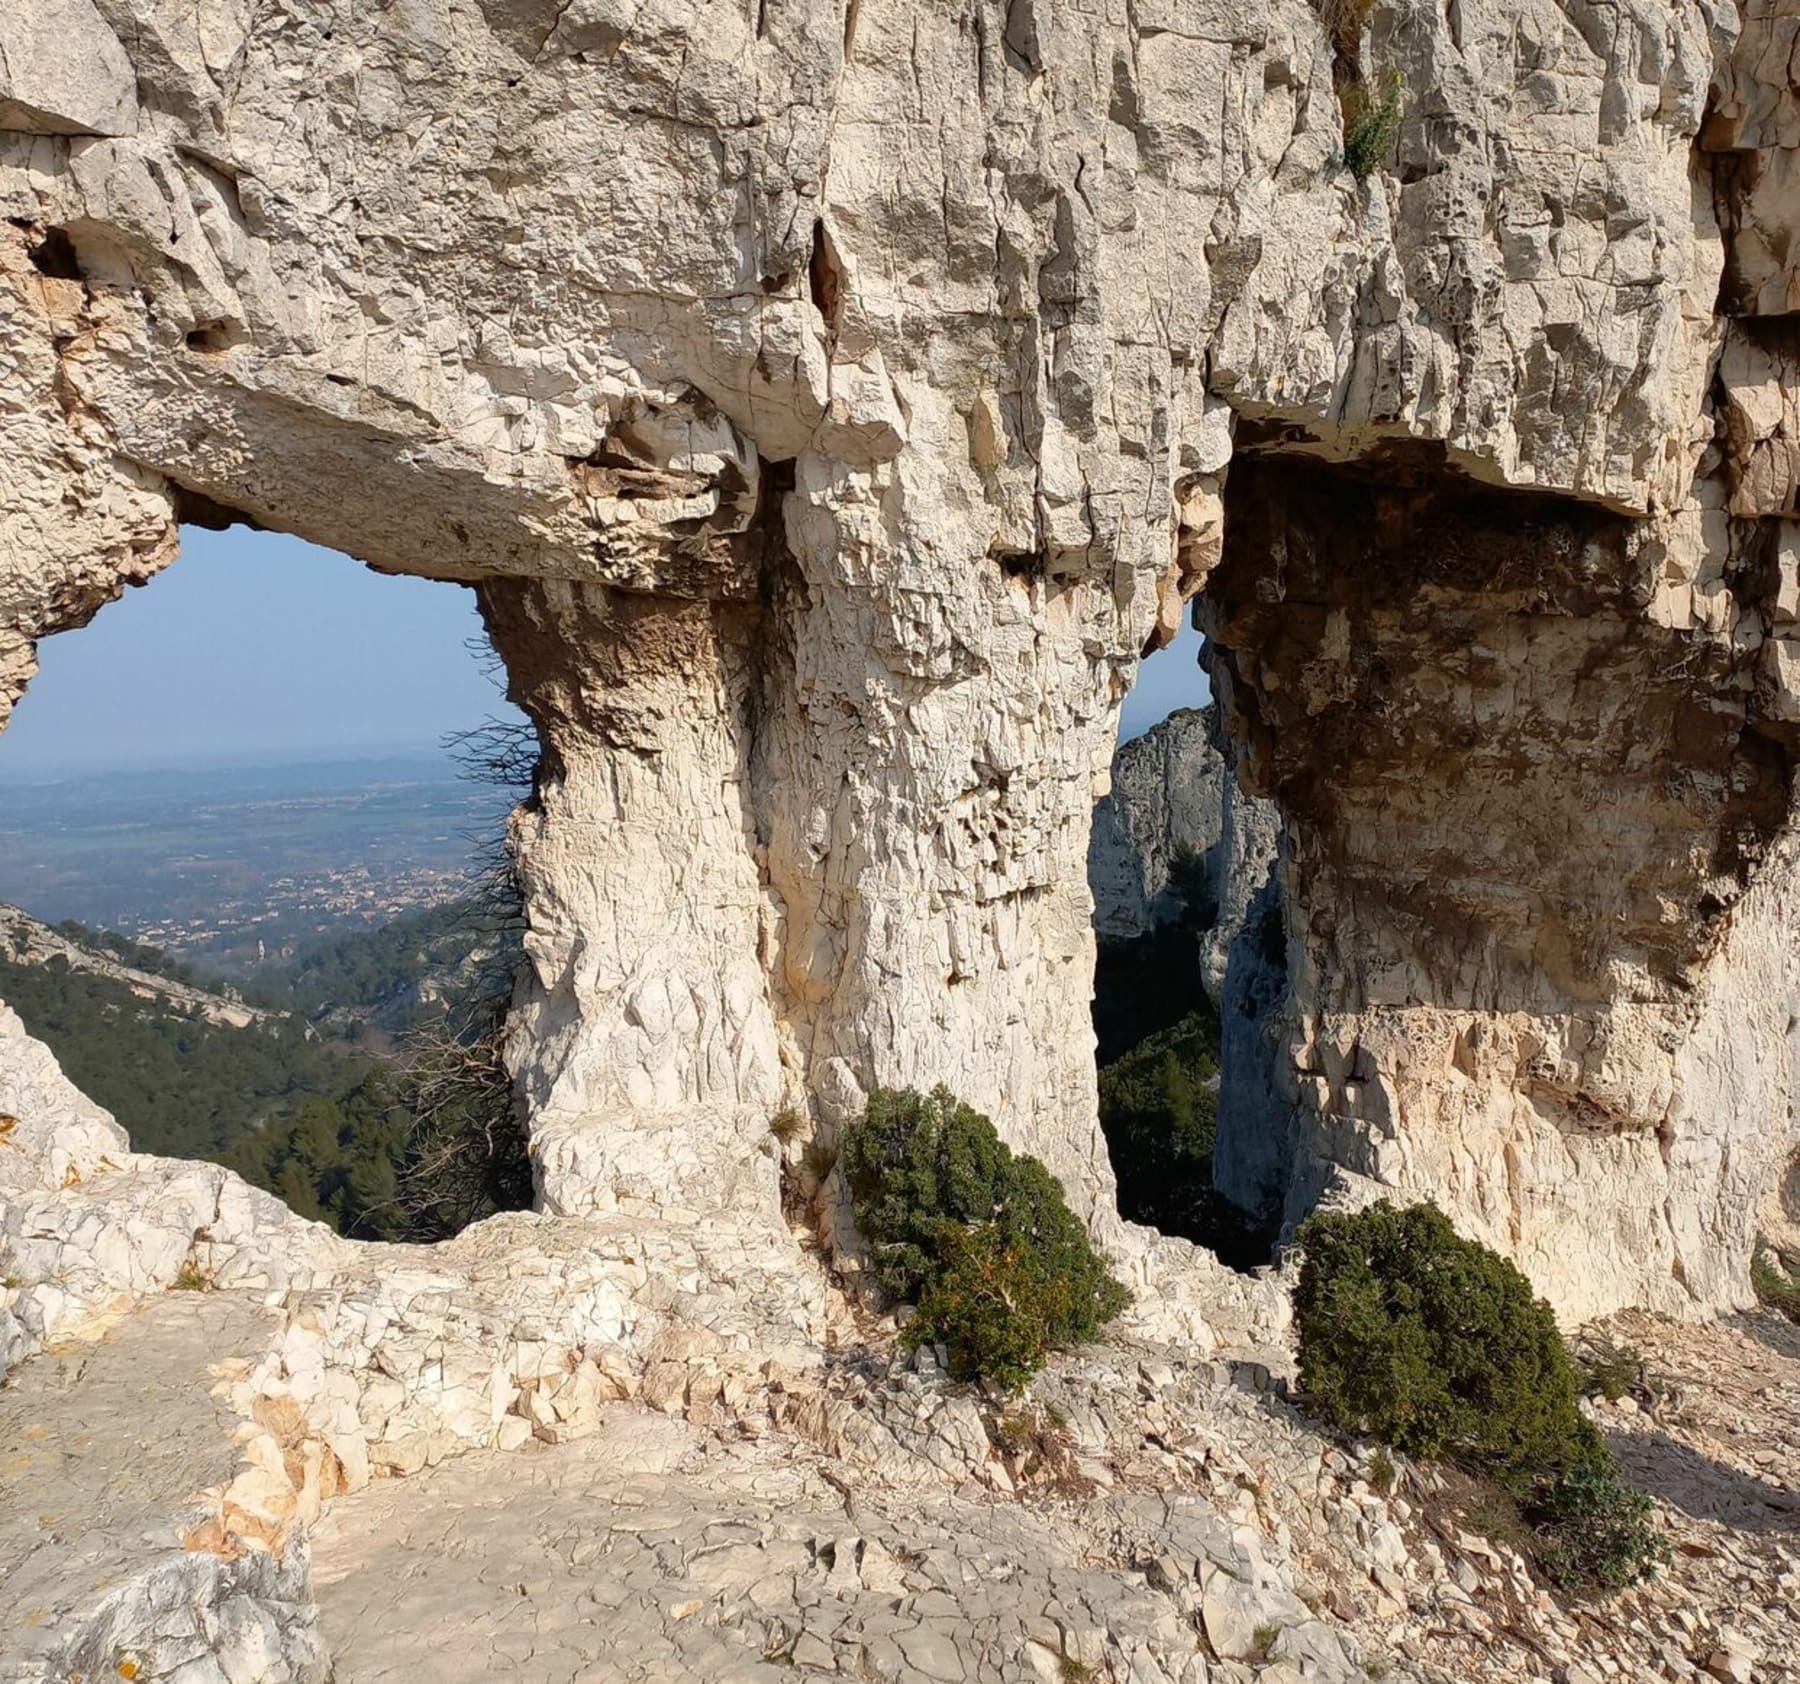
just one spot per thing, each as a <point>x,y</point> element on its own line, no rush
<point>829,403</point>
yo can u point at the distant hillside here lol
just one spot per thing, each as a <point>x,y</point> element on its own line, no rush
<point>302,1090</point>
<point>187,1071</point>
<point>147,972</point>
<point>397,975</point>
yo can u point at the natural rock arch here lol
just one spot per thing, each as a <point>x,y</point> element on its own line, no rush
<point>828,413</point>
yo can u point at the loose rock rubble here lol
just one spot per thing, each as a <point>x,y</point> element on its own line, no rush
<point>1142,1513</point>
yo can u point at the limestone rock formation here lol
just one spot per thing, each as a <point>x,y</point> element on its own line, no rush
<point>830,402</point>
<point>1164,808</point>
<point>1174,806</point>
<point>88,1227</point>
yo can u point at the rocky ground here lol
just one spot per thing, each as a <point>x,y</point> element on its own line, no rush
<point>1142,1517</point>
<point>1711,1430</point>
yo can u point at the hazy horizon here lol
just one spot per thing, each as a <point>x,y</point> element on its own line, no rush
<point>255,648</point>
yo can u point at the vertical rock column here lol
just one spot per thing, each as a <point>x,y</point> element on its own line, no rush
<point>644,1035</point>
<point>931,777</point>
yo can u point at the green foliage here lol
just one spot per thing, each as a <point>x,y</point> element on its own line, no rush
<point>338,1161</point>
<point>1594,1528</point>
<point>1159,1111</point>
<point>190,1277</point>
<point>1145,986</point>
<point>981,1239</point>
<point>1612,1371</point>
<point>413,1148</point>
<point>380,970</point>
<point>1430,1342</point>
<point>1437,1345</point>
<point>178,1085</point>
<point>1371,125</point>
<point>466,1155</point>
<point>138,955</point>
<point>1773,1286</point>
<point>1159,1107</point>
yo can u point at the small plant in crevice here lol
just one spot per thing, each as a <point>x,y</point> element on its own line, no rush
<point>1611,1370</point>
<point>1382,1473</point>
<point>1437,1346</point>
<point>818,1158</point>
<point>1346,21</point>
<point>786,1125</point>
<point>1262,1643</point>
<point>980,1238</point>
<point>1371,125</point>
<point>1036,1448</point>
<point>191,1277</point>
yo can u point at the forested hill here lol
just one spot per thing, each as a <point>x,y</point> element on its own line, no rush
<point>181,1080</point>
<point>147,972</point>
<point>294,1090</point>
<point>390,976</point>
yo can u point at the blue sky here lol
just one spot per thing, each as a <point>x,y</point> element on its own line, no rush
<point>255,645</point>
<point>1170,679</point>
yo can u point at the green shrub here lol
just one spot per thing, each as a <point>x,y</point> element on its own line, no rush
<point>1370,125</point>
<point>1773,1286</point>
<point>1594,1528</point>
<point>1436,1345</point>
<point>1430,1342</point>
<point>979,1238</point>
<point>1611,1370</point>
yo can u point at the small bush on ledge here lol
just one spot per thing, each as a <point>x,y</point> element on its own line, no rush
<point>1438,1346</point>
<point>979,1238</point>
<point>1371,125</point>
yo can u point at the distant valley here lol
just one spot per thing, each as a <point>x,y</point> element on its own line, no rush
<point>239,961</point>
<point>232,867</point>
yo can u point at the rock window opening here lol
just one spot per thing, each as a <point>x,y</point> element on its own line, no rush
<point>255,893</point>
<point>1171,863</point>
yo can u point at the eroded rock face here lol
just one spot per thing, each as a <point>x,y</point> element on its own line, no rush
<point>1163,809</point>
<point>829,404</point>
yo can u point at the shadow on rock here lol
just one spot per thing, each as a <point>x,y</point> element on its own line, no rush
<point>1702,1488</point>
<point>1771,1328</point>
